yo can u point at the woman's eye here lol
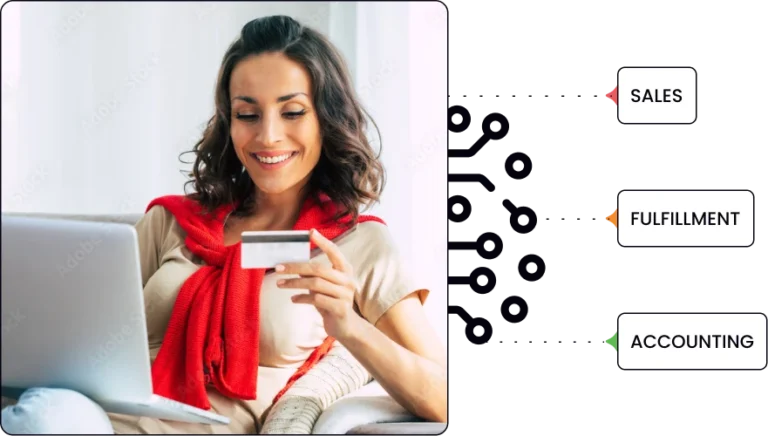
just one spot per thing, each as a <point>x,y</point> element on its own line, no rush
<point>245,116</point>
<point>290,115</point>
<point>295,114</point>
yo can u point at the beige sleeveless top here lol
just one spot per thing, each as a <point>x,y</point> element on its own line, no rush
<point>289,332</point>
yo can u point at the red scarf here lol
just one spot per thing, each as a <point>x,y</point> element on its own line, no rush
<point>213,333</point>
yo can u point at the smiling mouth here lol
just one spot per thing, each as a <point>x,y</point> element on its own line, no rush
<point>274,160</point>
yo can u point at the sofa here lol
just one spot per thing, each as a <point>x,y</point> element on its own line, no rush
<point>368,411</point>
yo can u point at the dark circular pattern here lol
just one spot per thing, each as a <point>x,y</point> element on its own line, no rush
<point>514,301</point>
<point>497,245</point>
<point>540,267</point>
<point>476,286</point>
<point>470,331</point>
<point>466,208</point>
<point>530,225</point>
<point>465,118</point>
<point>487,126</point>
<point>527,165</point>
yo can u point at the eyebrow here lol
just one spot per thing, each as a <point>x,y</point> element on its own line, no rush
<point>280,99</point>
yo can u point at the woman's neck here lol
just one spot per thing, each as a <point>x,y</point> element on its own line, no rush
<point>277,211</point>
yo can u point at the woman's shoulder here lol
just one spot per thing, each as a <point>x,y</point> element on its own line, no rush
<point>159,222</point>
<point>371,240</point>
<point>383,274</point>
<point>157,218</point>
<point>374,229</point>
<point>371,248</point>
<point>161,211</point>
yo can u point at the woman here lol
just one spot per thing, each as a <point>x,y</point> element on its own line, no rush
<point>285,149</point>
<point>287,141</point>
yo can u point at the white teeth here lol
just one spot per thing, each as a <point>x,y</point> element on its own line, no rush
<point>273,159</point>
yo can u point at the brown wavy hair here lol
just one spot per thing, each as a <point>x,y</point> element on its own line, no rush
<point>348,170</point>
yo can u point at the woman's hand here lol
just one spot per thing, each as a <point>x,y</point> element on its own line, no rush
<point>332,288</point>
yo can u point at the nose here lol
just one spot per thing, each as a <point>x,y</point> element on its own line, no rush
<point>270,130</point>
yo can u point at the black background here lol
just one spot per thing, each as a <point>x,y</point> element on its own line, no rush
<point>534,160</point>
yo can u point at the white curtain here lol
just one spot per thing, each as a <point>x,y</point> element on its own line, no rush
<point>99,100</point>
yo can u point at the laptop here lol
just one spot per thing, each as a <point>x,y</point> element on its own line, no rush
<point>73,316</point>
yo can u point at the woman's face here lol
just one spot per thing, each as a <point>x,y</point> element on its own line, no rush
<point>274,129</point>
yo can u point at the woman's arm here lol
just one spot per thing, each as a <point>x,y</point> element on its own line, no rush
<point>403,354</point>
<point>402,351</point>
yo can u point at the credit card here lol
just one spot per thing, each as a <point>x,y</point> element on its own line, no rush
<point>266,249</point>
